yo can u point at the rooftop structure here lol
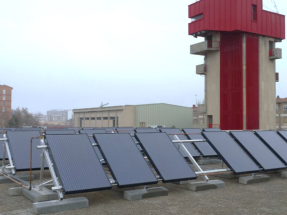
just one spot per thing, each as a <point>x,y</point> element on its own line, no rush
<point>5,105</point>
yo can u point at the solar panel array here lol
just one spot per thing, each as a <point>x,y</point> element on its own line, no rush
<point>60,131</point>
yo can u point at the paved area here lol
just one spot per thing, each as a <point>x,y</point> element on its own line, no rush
<point>263,198</point>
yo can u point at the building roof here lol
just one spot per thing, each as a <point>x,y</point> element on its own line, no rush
<point>235,15</point>
<point>5,86</point>
<point>281,100</point>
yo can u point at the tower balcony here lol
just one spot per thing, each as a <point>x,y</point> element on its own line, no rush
<point>201,69</point>
<point>204,47</point>
<point>275,54</point>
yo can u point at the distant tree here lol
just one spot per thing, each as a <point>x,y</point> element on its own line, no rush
<point>22,117</point>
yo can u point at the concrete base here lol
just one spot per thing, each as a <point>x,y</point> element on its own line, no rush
<point>36,195</point>
<point>254,179</point>
<point>202,185</point>
<point>203,161</point>
<point>57,206</point>
<point>25,177</point>
<point>5,170</point>
<point>145,193</point>
<point>227,176</point>
<point>181,182</point>
<point>15,191</point>
<point>284,174</point>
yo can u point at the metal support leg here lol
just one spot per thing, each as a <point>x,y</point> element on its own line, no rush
<point>193,161</point>
<point>42,169</point>
<point>3,159</point>
<point>9,156</point>
<point>52,171</point>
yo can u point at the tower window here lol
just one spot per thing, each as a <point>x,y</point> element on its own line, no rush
<point>4,91</point>
<point>254,12</point>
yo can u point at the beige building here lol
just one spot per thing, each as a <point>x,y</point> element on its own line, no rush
<point>281,113</point>
<point>160,114</point>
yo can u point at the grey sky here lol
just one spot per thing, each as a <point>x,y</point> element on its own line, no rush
<point>76,54</point>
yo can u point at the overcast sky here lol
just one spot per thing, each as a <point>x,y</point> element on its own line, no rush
<point>71,54</point>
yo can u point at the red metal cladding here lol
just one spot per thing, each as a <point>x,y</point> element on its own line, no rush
<point>235,15</point>
<point>252,82</point>
<point>231,82</point>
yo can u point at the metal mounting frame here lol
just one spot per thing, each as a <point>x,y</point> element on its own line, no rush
<point>7,149</point>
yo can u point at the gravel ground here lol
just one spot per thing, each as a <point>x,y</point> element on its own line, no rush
<point>262,198</point>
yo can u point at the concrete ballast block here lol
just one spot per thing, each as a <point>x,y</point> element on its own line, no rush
<point>15,191</point>
<point>254,179</point>
<point>227,176</point>
<point>145,193</point>
<point>203,185</point>
<point>57,206</point>
<point>284,174</point>
<point>36,195</point>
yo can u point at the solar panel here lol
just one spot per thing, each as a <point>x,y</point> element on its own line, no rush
<point>125,161</point>
<point>88,128</point>
<point>275,143</point>
<point>19,143</point>
<point>60,132</point>
<point>92,140</point>
<point>211,129</point>
<point>144,130</point>
<point>2,147</point>
<point>258,150</point>
<point>164,156</point>
<point>28,129</point>
<point>203,147</point>
<point>76,164</point>
<point>131,131</point>
<point>190,148</point>
<point>231,153</point>
<point>283,134</point>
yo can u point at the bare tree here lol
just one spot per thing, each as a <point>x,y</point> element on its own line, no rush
<point>22,117</point>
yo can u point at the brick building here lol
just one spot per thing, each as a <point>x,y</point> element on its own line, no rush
<point>5,104</point>
<point>281,113</point>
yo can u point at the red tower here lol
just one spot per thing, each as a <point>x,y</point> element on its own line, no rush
<point>239,63</point>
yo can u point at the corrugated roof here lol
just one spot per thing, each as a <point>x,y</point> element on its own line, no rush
<point>281,100</point>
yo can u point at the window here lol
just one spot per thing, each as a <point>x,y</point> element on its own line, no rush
<point>87,118</point>
<point>4,91</point>
<point>99,118</point>
<point>285,108</point>
<point>112,118</point>
<point>142,124</point>
<point>3,109</point>
<point>93,118</point>
<point>197,17</point>
<point>3,103</point>
<point>254,12</point>
<point>4,97</point>
<point>276,107</point>
<point>105,118</point>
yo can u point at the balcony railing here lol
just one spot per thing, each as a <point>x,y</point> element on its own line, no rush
<point>204,47</point>
<point>275,54</point>
<point>201,69</point>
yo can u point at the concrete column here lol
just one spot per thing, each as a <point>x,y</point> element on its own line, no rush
<point>244,79</point>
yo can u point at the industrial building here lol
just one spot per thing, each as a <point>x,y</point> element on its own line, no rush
<point>239,61</point>
<point>5,105</point>
<point>146,115</point>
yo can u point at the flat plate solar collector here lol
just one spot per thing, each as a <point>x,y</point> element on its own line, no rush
<point>231,153</point>
<point>275,143</point>
<point>19,143</point>
<point>164,156</point>
<point>125,161</point>
<point>60,131</point>
<point>76,163</point>
<point>258,150</point>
